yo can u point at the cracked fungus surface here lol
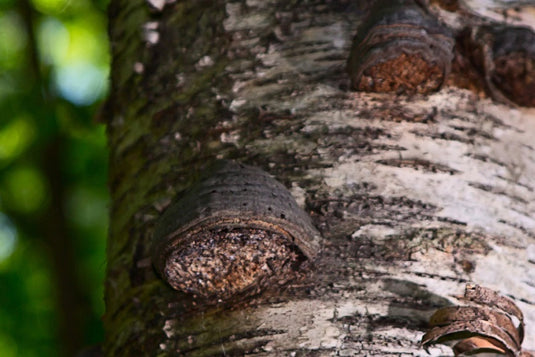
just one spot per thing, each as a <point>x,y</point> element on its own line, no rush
<point>409,73</point>
<point>221,263</point>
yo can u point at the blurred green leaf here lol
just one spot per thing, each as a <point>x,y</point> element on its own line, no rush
<point>50,6</point>
<point>15,138</point>
<point>61,7</point>
<point>86,207</point>
<point>53,40</point>
<point>12,40</point>
<point>8,346</point>
<point>25,190</point>
<point>77,51</point>
<point>81,83</point>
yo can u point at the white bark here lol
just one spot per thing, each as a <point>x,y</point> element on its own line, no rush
<point>484,154</point>
<point>414,197</point>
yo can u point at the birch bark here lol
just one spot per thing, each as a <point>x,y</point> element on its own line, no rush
<point>414,196</point>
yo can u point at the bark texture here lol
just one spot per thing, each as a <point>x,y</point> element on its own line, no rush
<point>414,196</point>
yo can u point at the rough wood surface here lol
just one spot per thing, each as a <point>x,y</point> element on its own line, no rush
<point>414,196</point>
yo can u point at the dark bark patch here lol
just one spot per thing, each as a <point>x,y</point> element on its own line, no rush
<point>389,250</point>
<point>419,164</point>
<point>398,114</point>
<point>515,74</point>
<point>401,247</point>
<point>464,73</point>
<point>515,182</point>
<point>350,141</point>
<point>364,208</point>
<point>523,229</point>
<point>468,266</point>
<point>414,295</point>
<point>450,136</point>
<point>224,343</point>
<point>506,57</point>
<point>448,5</point>
<point>497,191</point>
<point>485,158</point>
<point>136,277</point>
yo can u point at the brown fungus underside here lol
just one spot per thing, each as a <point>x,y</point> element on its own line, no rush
<point>405,73</point>
<point>400,48</point>
<point>221,263</point>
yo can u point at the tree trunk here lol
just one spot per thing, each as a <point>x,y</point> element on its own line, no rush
<point>413,196</point>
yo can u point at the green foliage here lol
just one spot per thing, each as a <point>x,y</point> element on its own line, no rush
<point>53,158</point>
<point>27,315</point>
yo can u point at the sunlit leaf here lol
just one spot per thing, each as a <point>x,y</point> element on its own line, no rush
<point>25,190</point>
<point>53,40</point>
<point>79,59</point>
<point>80,40</point>
<point>87,35</point>
<point>50,6</point>
<point>81,83</point>
<point>14,138</point>
<point>12,40</point>
<point>62,7</point>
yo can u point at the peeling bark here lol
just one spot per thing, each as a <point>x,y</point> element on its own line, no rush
<point>414,196</point>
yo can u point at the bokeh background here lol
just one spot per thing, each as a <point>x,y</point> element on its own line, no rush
<point>54,63</point>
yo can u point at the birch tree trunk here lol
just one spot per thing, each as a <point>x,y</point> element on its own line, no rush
<point>414,196</point>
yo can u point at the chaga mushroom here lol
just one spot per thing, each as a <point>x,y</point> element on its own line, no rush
<point>400,48</point>
<point>506,56</point>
